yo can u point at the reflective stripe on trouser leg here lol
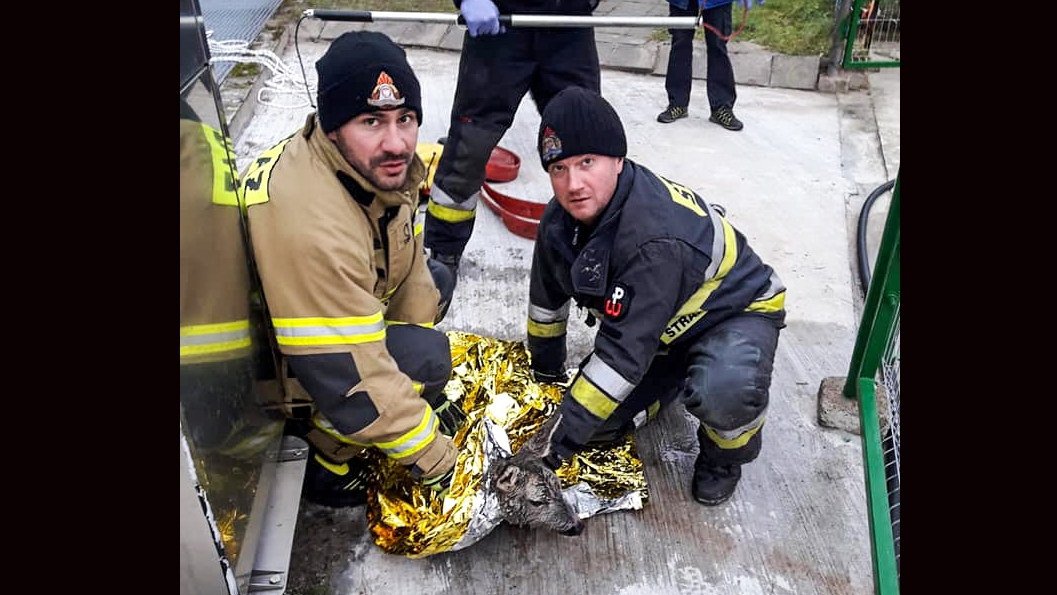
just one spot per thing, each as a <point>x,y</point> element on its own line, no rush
<point>459,177</point>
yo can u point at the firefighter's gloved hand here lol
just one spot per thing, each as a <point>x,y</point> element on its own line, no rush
<point>481,16</point>
<point>547,377</point>
<point>451,417</point>
<point>440,484</point>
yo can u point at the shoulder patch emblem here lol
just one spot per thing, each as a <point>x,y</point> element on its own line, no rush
<point>617,302</point>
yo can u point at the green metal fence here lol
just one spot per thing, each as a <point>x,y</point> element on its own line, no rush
<point>875,361</point>
<point>871,33</point>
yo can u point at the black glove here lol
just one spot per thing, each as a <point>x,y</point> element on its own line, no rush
<point>451,417</point>
<point>556,376</point>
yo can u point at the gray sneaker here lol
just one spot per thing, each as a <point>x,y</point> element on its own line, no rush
<point>671,114</point>
<point>724,116</point>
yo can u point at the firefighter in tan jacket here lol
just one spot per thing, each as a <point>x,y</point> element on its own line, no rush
<point>332,219</point>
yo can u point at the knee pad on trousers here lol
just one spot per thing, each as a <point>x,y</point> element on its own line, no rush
<point>724,408</point>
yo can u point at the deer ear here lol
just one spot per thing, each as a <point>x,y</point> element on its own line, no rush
<point>540,443</point>
<point>507,479</point>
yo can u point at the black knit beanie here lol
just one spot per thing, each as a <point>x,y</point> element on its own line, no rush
<point>364,71</point>
<point>579,121</point>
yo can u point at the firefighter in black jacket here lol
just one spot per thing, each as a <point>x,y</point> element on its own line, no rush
<point>686,309</point>
<point>496,69</point>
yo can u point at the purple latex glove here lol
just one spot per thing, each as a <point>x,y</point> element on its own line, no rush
<point>481,16</point>
<point>715,3</point>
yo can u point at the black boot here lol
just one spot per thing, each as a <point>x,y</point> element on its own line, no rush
<point>714,484</point>
<point>337,485</point>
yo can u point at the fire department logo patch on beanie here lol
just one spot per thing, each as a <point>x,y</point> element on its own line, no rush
<point>578,121</point>
<point>364,71</point>
<point>385,93</point>
<point>551,146</point>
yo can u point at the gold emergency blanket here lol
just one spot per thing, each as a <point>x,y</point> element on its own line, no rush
<point>504,406</point>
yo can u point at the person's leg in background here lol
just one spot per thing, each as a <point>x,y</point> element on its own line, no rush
<point>720,77</point>
<point>494,74</point>
<point>565,57</point>
<point>679,78</point>
<point>727,389</point>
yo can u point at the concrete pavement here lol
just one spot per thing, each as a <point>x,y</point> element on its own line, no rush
<point>793,181</point>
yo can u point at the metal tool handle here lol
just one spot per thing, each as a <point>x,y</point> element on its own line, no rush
<point>508,20</point>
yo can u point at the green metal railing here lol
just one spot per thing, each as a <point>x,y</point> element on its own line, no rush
<point>876,350</point>
<point>872,35</point>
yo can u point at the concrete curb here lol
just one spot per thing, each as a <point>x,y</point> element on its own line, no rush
<point>753,64</point>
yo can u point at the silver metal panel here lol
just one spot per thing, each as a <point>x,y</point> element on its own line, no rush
<point>272,564</point>
<point>201,570</point>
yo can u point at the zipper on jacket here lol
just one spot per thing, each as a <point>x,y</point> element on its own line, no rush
<point>383,231</point>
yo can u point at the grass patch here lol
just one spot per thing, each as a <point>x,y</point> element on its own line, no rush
<point>797,27</point>
<point>246,69</point>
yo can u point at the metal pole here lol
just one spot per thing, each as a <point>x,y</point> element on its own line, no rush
<point>836,42</point>
<point>853,25</point>
<point>509,20</point>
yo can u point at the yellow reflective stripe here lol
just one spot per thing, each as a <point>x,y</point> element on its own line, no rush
<point>651,411</point>
<point>334,468</point>
<point>546,330</point>
<point>203,339</point>
<point>421,324</point>
<point>418,386</point>
<point>214,347</point>
<point>592,399</point>
<point>773,304</point>
<point>209,329</point>
<point>692,307</point>
<point>420,220</point>
<point>737,442</point>
<point>449,214</point>
<point>349,330</point>
<point>415,440</point>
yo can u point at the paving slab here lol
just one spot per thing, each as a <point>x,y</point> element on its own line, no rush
<point>794,72</point>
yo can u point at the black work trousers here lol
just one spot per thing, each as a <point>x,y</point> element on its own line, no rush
<point>723,378</point>
<point>495,72</point>
<point>720,76</point>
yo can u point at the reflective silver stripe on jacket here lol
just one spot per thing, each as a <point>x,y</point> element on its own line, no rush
<point>607,379</point>
<point>718,243</point>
